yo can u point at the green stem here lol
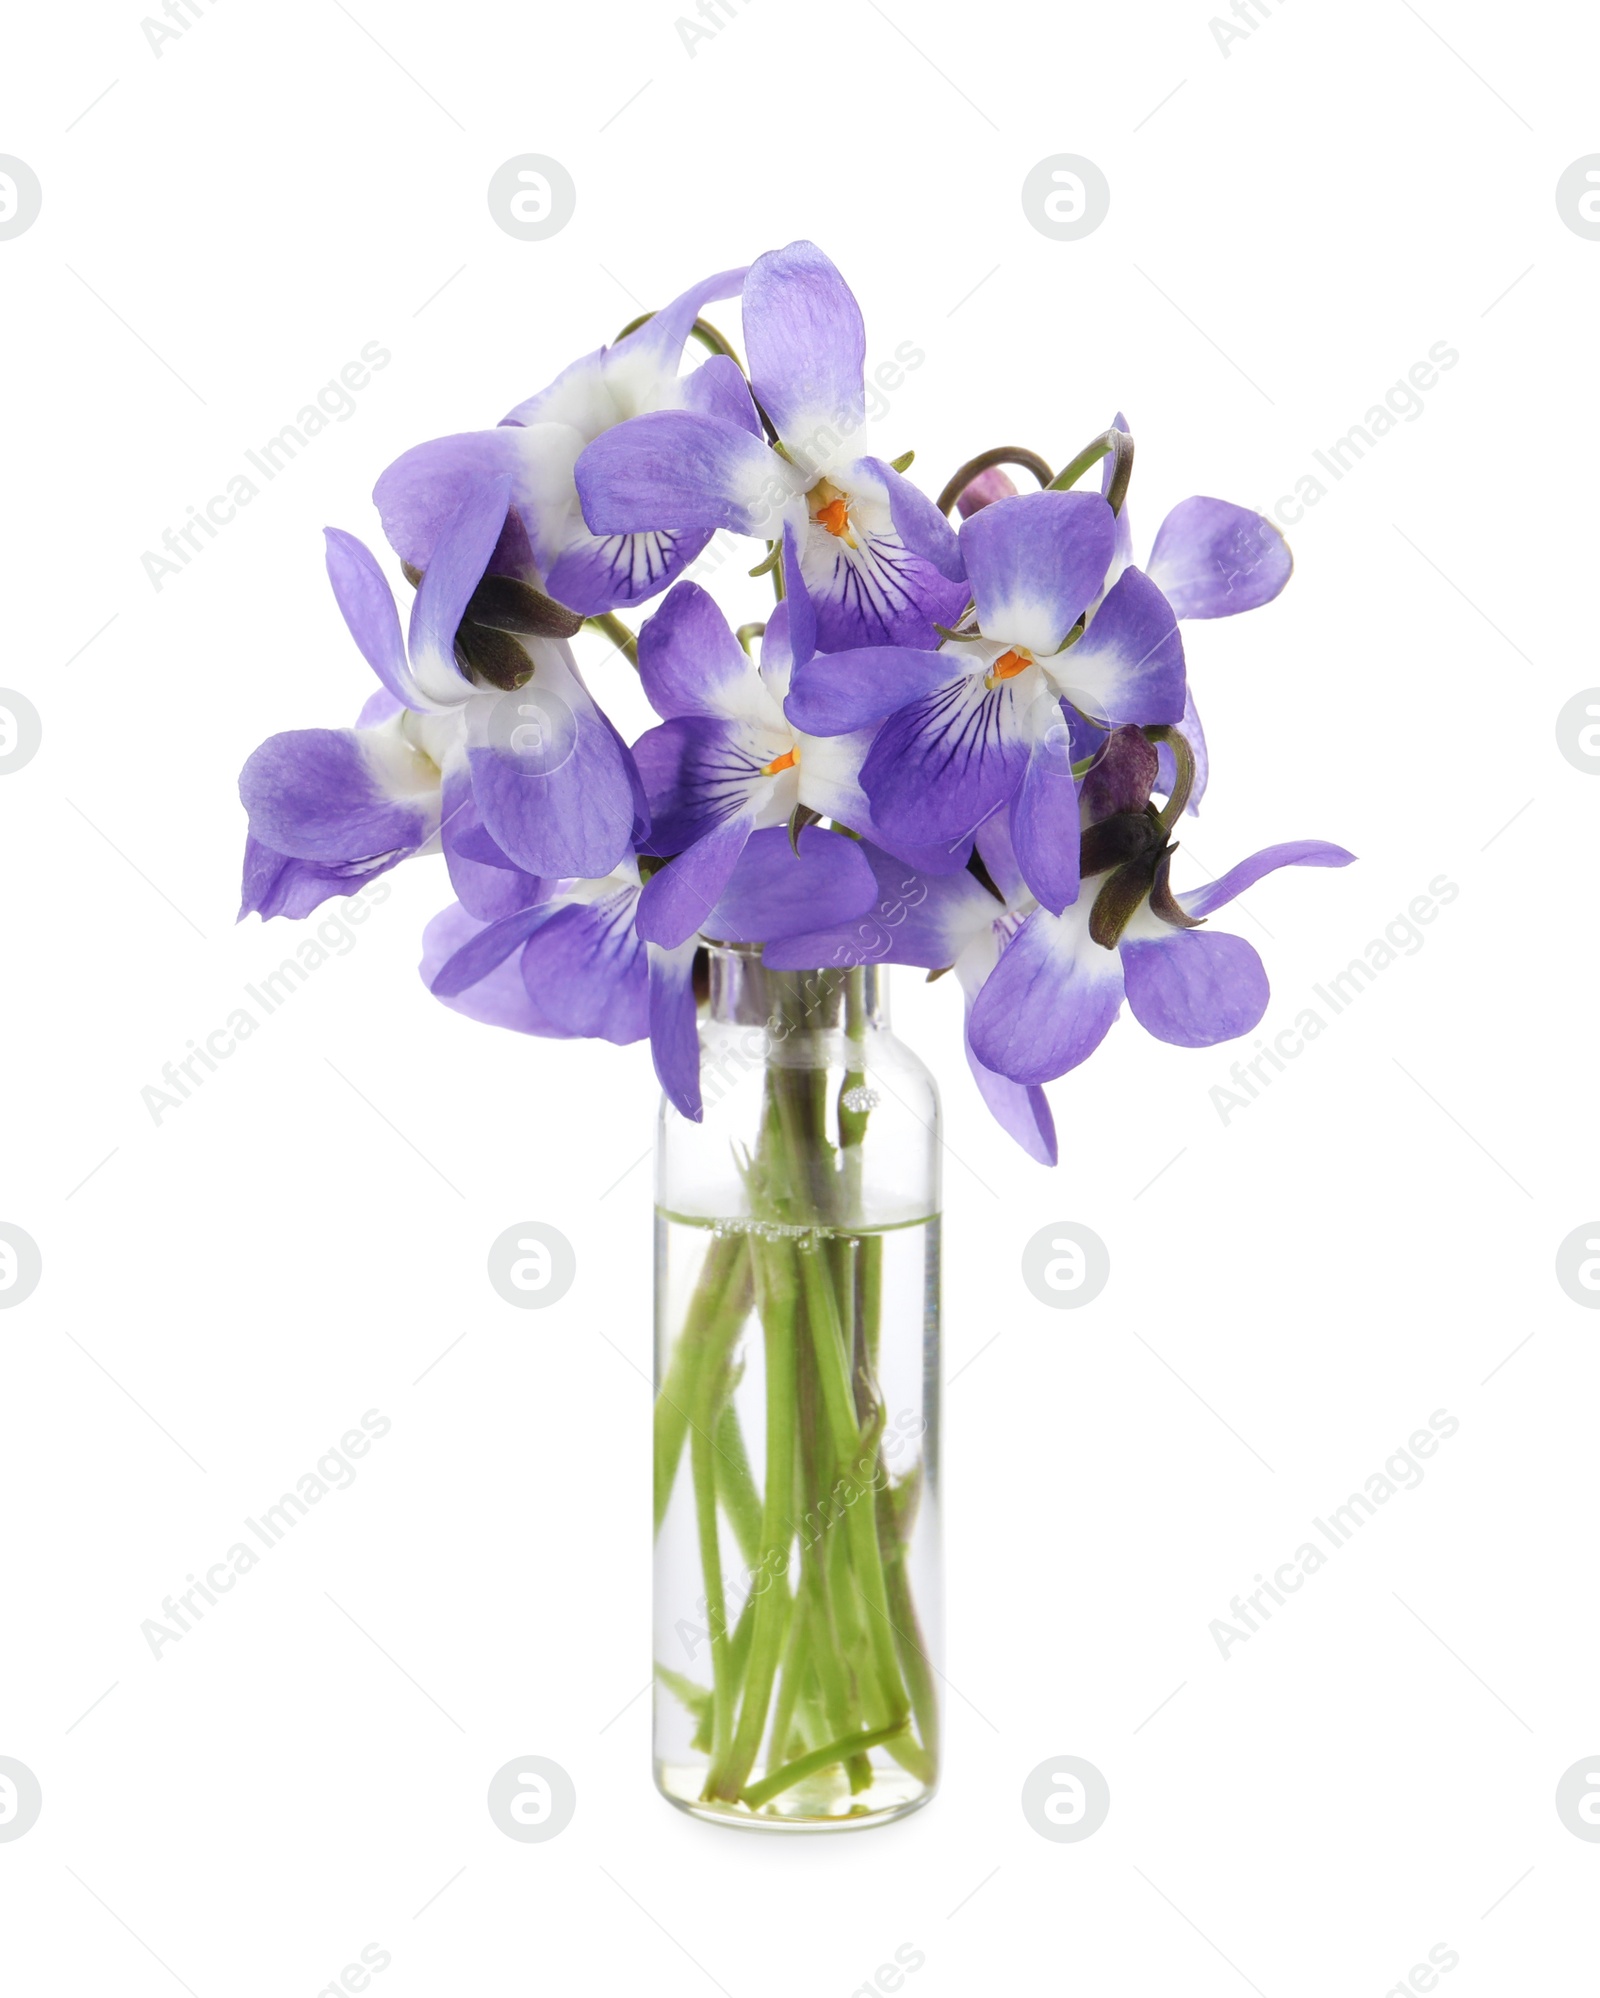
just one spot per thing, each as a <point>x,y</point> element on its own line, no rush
<point>811,1721</point>
<point>1002,454</point>
<point>1182,775</point>
<point>833,1374</point>
<point>695,1698</point>
<point>839,1406</point>
<point>853,1567</point>
<point>853,1122</point>
<point>619,634</point>
<point>1120,445</point>
<point>735,1486</point>
<point>791,1675</point>
<point>828,1651</point>
<point>871,1281</point>
<point>703,1466</point>
<point>739,1643</point>
<point>805,1153</point>
<point>835,1637</point>
<point>717,1310</point>
<point>715,342</point>
<point>820,1758</point>
<point>1074,469</point>
<point>819,1675</point>
<point>778,1307</point>
<point>702,329</point>
<point>909,1639</point>
<point>846,1255</point>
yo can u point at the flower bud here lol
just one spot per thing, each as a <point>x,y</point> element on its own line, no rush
<point>984,490</point>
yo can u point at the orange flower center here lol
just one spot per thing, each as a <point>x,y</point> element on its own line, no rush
<point>830,509</point>
<point>1008,666</point>
<point>789,760</point>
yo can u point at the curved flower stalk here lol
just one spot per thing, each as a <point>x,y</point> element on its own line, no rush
<point>1210,559</point>
<point>1042,989</point>
<point>985,721</point>
<point>577,962</point>
<point>872,556</point>
<point>536,446</point>
<point>1000,719</point>
<point>961,750</point>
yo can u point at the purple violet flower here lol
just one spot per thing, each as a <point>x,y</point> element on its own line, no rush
<point>873,786</point>
<point>484,716</point>
<point>1210,559</point>
<point>726,761</point>
<point>871,555</point>
<point>583,968</point>
<point>1060,982</point>
<point>538,443</point>
<point>943,922</point>
<point>984,721</point>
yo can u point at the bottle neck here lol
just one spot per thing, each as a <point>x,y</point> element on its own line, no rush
<point>745,992</point>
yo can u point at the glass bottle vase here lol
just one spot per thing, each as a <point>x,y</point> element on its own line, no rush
<point>797,1574</point>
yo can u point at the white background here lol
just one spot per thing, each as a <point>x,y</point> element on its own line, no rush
<point>1370,1775</point>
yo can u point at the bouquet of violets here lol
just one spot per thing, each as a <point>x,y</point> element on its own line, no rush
<point>961,749</point>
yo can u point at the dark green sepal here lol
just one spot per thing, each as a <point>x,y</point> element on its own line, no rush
<point>502,603</point>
